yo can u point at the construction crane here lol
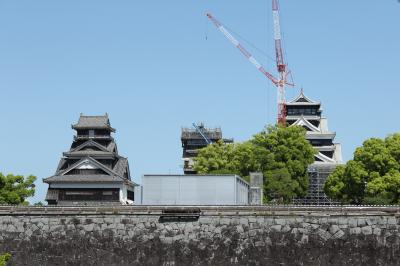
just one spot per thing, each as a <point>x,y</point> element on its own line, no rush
<point>284,73</point>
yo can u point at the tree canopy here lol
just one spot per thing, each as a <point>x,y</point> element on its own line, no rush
<point>372,177</point>
<point>14,189</point>
<point>282,154</point>
<point>4,259</point>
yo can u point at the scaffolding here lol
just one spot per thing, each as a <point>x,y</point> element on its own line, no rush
<point>318,174</point>
<point>214,134</point>
<point>194,139</point>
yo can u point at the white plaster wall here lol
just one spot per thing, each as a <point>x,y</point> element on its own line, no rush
<point>87,165</point>
<point>123,193</point>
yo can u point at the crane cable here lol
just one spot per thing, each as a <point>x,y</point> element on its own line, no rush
<point>263,53</point>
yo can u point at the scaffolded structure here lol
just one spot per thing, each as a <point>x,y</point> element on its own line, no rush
<point>193,139</point>
<point>318,174</point>
<point>307,113</point>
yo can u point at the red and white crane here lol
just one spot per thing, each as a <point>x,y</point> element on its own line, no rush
<point>280,82</point>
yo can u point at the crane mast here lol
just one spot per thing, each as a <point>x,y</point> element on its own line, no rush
<point>278,38</point>
<point>280,82</point>
<point>281,66</point>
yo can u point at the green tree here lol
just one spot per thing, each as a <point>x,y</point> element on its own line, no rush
<point>282,154</point>
<point>372,177</point>
<point>347,183</point>
<point>4,259</point>
<point>384,189</point>
<point>285,156</point>
<point>221,158</point>
<point>280,185</point>
<point>14,189</point>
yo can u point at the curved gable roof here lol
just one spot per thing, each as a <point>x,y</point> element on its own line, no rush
<point>88,144</point>
<point>302,98</point>
<point>304,122</point>
<point>324,158</point>
<point>90,160</point>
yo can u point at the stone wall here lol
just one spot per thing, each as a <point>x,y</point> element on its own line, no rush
<point>220,236</point>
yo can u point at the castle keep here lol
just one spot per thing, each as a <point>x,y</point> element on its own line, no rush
<point>307,113</point>
<point>92,171</point>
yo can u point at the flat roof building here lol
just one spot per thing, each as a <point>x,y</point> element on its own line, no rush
<point>193,190</point>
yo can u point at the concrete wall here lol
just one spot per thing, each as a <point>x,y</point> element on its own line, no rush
<point>221,236</point>
<point>256,192</point>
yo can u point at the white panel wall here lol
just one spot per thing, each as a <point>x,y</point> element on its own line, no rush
<point>138,195</point>
<point>189,190</point>
<point>225,189</point>
<point>194,190</point>
<point>242,192</point>
<point>169,190</point>
<point>152,192</point>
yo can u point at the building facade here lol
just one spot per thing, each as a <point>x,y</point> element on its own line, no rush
<point>196,138</point>
<point>307,113</point>
<point>92,171</point>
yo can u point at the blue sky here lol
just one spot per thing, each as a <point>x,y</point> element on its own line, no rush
<point>156,66</point>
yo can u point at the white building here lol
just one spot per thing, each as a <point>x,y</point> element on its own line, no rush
<point>192,190</point>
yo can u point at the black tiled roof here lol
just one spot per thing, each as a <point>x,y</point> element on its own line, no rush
<point>120,166</point>
<point>82,178</point>
<point>88,153</point>
<point>89,122</point>
<point>119,172</point>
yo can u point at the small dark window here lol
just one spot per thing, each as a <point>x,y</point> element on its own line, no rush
<point>131,195</point>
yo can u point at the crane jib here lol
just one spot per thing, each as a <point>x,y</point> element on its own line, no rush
<point>280,83</point>
<point>228,35</point>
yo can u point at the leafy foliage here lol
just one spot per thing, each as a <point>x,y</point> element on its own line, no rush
<point>281,154</point>
<point>14,189</point>
<point>4,259</point>
<point>221,158</point>
<point>372,177</point>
